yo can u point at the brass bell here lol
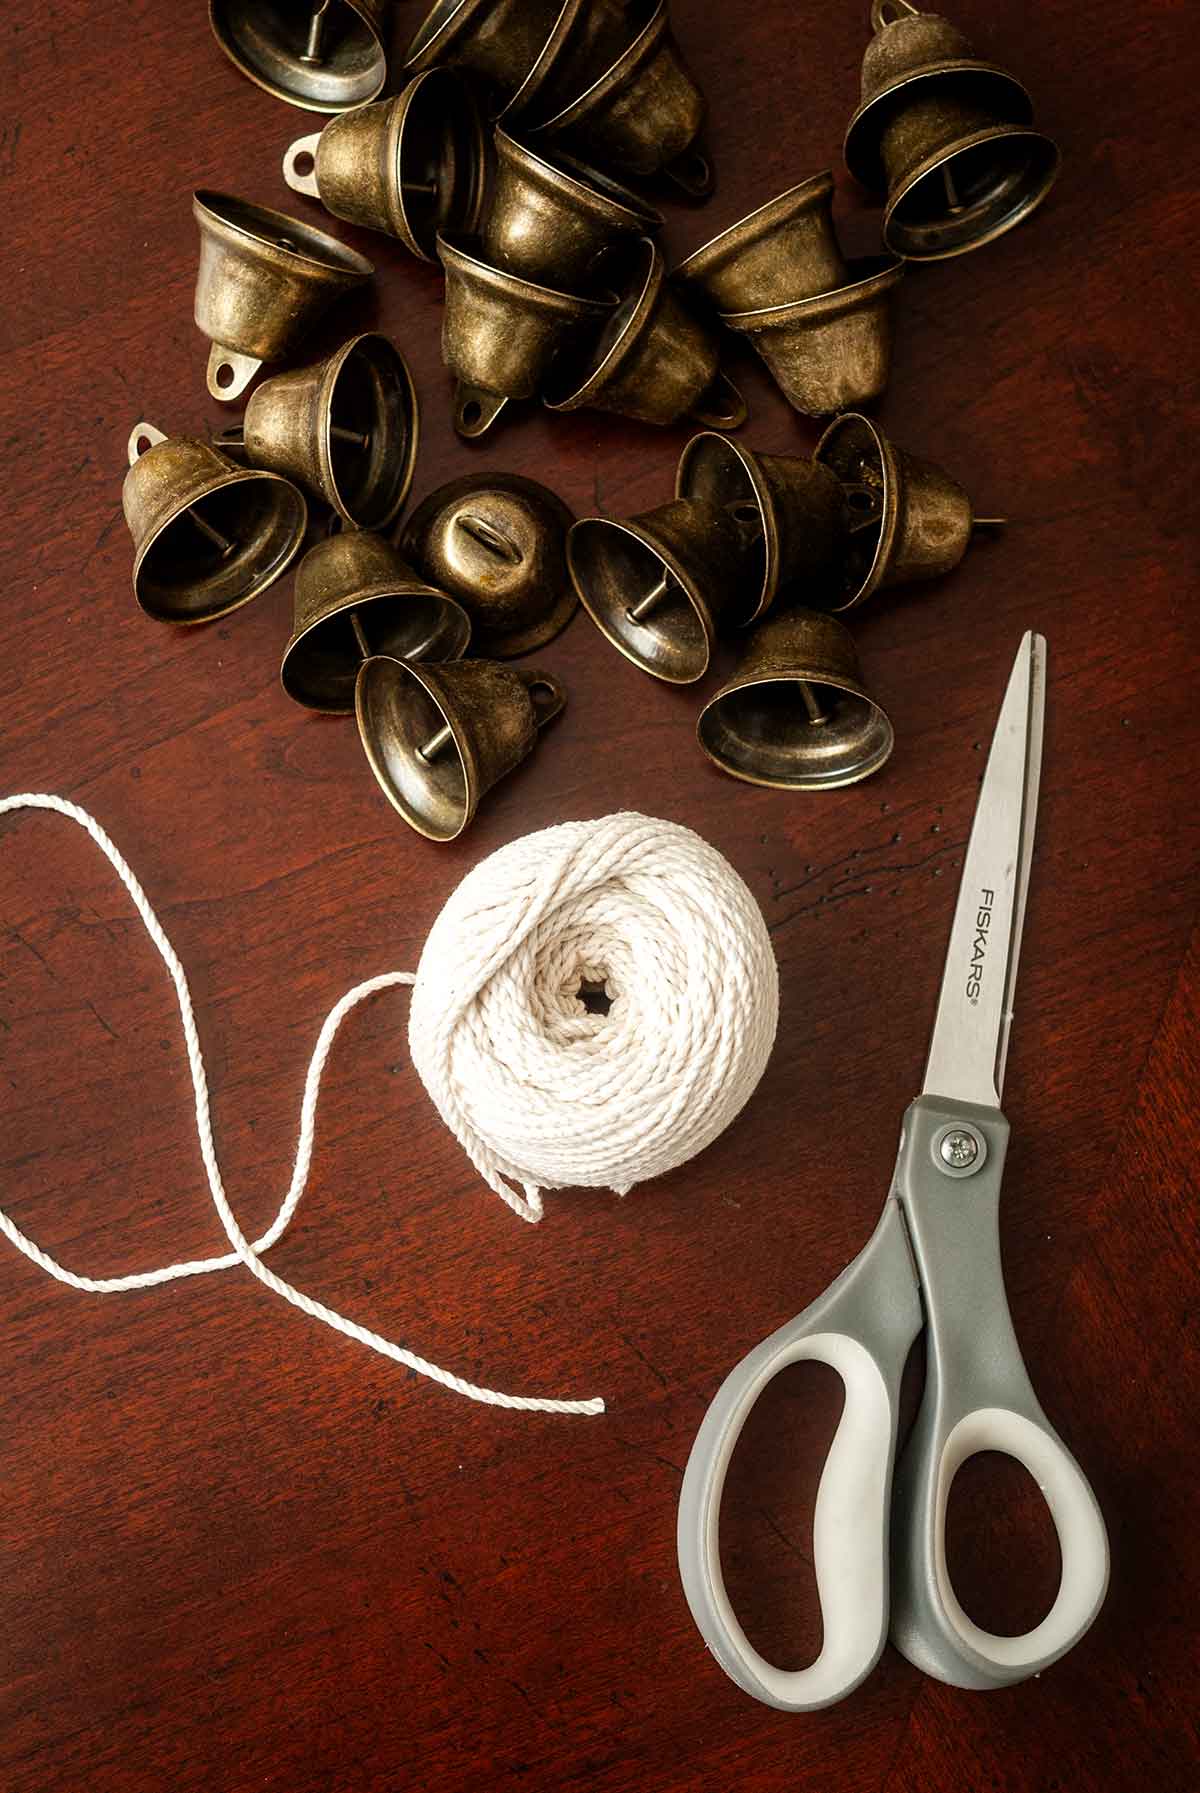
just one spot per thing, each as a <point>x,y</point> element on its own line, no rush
<point>949,138</point>
<point>497,40</point>
<point>208,535</point>
<point>345,429</point>
<point>324,55</point>
<point>643,115</point>
<point>653,361</point>
<point>658,585</point>
<point>502,334</point>
<point>263,282</point>
<point>907,519</point>
<point>790,511</point>
<point>551,220</point>
<point>409,166</point>
<point>355,597</point>
<point>497,542</point>
<point>796,715</point>
<point>782,251</point>
<point>831,351</point>
<point>438,738</point>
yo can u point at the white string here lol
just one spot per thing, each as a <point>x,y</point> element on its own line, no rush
<point>243,1251</point>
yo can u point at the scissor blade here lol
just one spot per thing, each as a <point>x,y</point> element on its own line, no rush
<point>975,1009</point>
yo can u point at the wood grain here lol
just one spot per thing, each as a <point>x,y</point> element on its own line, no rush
<point>241,1553</point>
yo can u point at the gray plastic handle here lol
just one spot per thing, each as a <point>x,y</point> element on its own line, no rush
<point>978,1397</point>
<point>863,1327</point>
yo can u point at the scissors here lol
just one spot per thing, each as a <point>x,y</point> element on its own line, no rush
<point>933,1261</point>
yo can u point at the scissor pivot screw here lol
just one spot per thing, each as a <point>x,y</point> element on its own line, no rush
<point>958,1150</point>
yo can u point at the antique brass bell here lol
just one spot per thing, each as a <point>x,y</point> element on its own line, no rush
<point>346,429</point>
<point>497,542</point>
<point>409,166</point>
<point>834,350</point>
<point>438,738</point>
<point>907,520</point>
<point>499,41</point>
<point>643,115</point>
<point>355,597</point>
<point>501,334</point>
<point>207,535</point>
<point>324,55</point>
<point>949,138</point>
<point>790,511</point>
<point>780,252</point>
<point>659,585</point>
<point>551,220</point>
<point>796,715</point>
<point>263,282</point>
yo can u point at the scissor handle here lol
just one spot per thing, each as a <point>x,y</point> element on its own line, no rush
<point>862,1327</point>
<point>978,1397</point>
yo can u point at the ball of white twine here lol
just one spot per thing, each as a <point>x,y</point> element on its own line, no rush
<point>540,1090</point>
<point>536,1086</point>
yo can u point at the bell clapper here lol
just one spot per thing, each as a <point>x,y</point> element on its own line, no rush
<point>360,635</point>
<point>436,743</point>
<point>311,53</point>
<point>651,599</point>
<point>214,535</point>
<point>864,505</point>
<point>989,522</point>
<point>360,439</point>
<point>427,189</point>
<point>816,714</point>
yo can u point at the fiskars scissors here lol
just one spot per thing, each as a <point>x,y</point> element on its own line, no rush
<point>933,1261</point>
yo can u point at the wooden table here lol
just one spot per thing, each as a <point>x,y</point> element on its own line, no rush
<point>242,1553</point>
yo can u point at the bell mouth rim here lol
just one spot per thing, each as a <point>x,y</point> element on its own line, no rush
<point>381,591</point>
<point>860,148</point>
<point>683,578</point>
<point>329,255</point>
<point>873,276</point>
<point>544,63</point>
<point>470,266</point>
<point>770,214</point>
<point>236,477</point>
<point>1027,203</point>
<point>889,515</point>
<point>461,111</point>
<point>466,759</point>
<point>704,442</point>
<point>525,638</point>
<point>628,338</point>
<point>835,781</point>
<point>619,72</point>
<point>292,96</point>
<point>551,176</point>
<point>424,45</point>
<point>369,342</point>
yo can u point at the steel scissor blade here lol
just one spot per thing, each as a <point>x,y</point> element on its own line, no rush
<point>975,1009</point>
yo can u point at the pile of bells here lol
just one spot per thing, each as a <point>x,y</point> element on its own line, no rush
<point>524,153</point>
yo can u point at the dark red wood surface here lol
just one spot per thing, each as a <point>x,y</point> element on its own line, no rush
<point>241,1552</point>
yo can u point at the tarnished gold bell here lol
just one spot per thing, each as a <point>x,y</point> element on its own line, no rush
<point>324,55</point>
<point>949,138</point>
<point>659,585</point>
<point>907,519</point>
<point>789,510</point>
<point>264,280</point>
<point>831,351</point>
<point>643,115</point>
<point>355,596</point>
<point>653,361</point>
<point>550,220</point>
<point>208,535</point>
<point>345,428</point>
<point>501,334</point>
<point>409,166</point>
<point>499,41</point>
<point>796,715</point>
<point>497,543</point>
<point>438,738</point>
<point>780,252</point>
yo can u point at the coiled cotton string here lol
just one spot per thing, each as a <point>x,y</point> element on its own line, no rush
<point>540,1091</point>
